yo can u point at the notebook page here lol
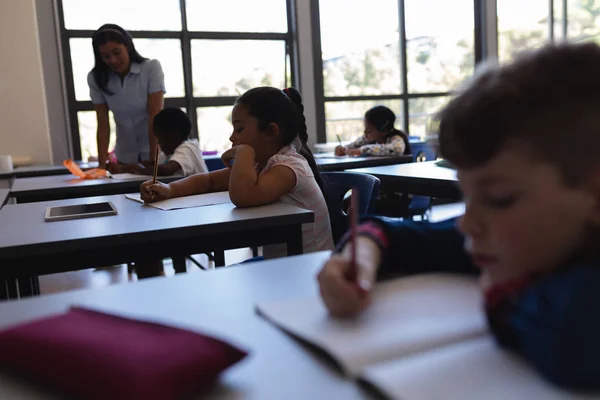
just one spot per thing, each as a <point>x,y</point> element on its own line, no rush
<point>406,315</point>
<point>131,177</point>
<point>469,370</point>
<point>199,200</point>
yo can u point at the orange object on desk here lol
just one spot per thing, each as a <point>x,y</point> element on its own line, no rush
<point>95,173</point>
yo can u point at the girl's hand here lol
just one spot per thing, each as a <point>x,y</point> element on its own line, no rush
<point>354,152</point>
<point>340,151</point>
<point>230,154</point>
<point>343,296</point>
<point>158,191</point>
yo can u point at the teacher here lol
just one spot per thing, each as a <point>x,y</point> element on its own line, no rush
<point>130,86</point>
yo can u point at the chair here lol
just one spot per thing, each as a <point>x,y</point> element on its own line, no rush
<point>337,184</point>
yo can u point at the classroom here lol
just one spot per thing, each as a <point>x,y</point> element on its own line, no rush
<point>299,199</point>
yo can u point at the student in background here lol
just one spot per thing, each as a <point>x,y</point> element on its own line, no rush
<point>381,138</point>
<point>172,129</point>
<point>532,220</point>
<point>269,161</point>
<point>132,87</point>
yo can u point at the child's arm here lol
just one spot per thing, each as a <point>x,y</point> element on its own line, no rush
<point>358,143</point>
<point>395,147</point>
<point>215,181</point>
<point>247,188</point>
<point>391,247</point>
<point>554,324</point>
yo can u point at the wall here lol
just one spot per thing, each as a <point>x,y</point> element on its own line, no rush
<point>24,127</point>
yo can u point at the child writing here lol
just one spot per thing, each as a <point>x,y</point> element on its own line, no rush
<point>172,129</point>
<point>269,160</point>
<point>532,219</point>
<point>380,138</point>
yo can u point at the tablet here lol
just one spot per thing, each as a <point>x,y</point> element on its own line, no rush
<point>60,213</point>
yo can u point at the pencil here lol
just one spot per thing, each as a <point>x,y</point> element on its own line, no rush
<point>339,140</point>
<point>155,166</point>
<point>155,169</point>
<point>353,226</point>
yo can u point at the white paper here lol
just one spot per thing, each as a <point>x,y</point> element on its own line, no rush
<point>131,177</point>
<point>474,369</point>
<point>199,200</point>
<point>406,316</point>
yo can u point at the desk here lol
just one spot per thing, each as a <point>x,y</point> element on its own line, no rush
<point>44,170</point>
<point>327,162</point>
<point>29,246</point>
<point>423,178</point>
<point>58,187</point>
<point>218,302</point>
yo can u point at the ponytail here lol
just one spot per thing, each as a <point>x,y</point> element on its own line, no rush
<point>404,136</point>
<point>304,150</point>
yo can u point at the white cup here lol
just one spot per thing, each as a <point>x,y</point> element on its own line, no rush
<point>6,163</point>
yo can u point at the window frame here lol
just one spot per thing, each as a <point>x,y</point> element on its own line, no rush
<point>321,99</point>
<point>188,102</point>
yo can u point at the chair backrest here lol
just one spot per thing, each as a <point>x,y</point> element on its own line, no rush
<point>337,184</point>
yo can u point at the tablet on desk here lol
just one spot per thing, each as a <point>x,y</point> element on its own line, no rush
<point>60,213</point>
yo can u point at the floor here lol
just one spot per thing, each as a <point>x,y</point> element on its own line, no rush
<point>92,278</point>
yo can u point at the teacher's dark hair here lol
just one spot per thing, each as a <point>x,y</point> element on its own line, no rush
<point>111,33</point>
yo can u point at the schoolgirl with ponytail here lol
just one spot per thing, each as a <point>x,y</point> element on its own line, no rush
<point>269,161</point>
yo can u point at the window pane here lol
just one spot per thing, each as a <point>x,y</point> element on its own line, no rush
<point>345,118</point>
<point>522,25</point>
<point>82,60</point>
<point>237,15</point>
<point>421,112</point>
<point>439,45</point>
<point>214,128</point>
<point>231,67</point>
<point>360,47</point>
<point>167,51</point>
<point>155,15</point>
<point>583,21</point>
<point>87,134</point>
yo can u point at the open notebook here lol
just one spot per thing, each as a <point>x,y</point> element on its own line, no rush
<point>198,200</point>
<point>423,337</point>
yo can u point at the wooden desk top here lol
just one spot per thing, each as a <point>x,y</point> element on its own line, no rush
<point>44,170</point>
<point>420,178</point>
<point>329,162</point>
<point>56,187</point>
<point>221,303</point>
<point>421,170</point>
<point>29,234</point>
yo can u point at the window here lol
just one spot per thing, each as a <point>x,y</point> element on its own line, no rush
<point>209,55</point>
<point>583,20</point>
<point>400,54</point>
<point>522,25</point>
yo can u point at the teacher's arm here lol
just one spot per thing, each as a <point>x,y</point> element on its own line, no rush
<point>102,133</point>
<point>155,104</point>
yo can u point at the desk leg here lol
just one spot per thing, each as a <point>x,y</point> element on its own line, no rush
<point>11,289</point>
<point>219,258</point>
<point>179,264</point>
<point>29,286</point>
<point>294,242</point>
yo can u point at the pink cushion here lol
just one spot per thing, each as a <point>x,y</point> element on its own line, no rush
<point>92,355</point>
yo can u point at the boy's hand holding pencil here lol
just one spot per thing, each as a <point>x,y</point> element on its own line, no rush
<point>347,277</point>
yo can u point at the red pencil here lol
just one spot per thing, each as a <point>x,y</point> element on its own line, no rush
<point>353,226</point>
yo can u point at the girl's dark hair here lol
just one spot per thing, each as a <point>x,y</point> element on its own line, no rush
<point>383,119</point>
<point>111,33</point>
<point>284,108</point>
